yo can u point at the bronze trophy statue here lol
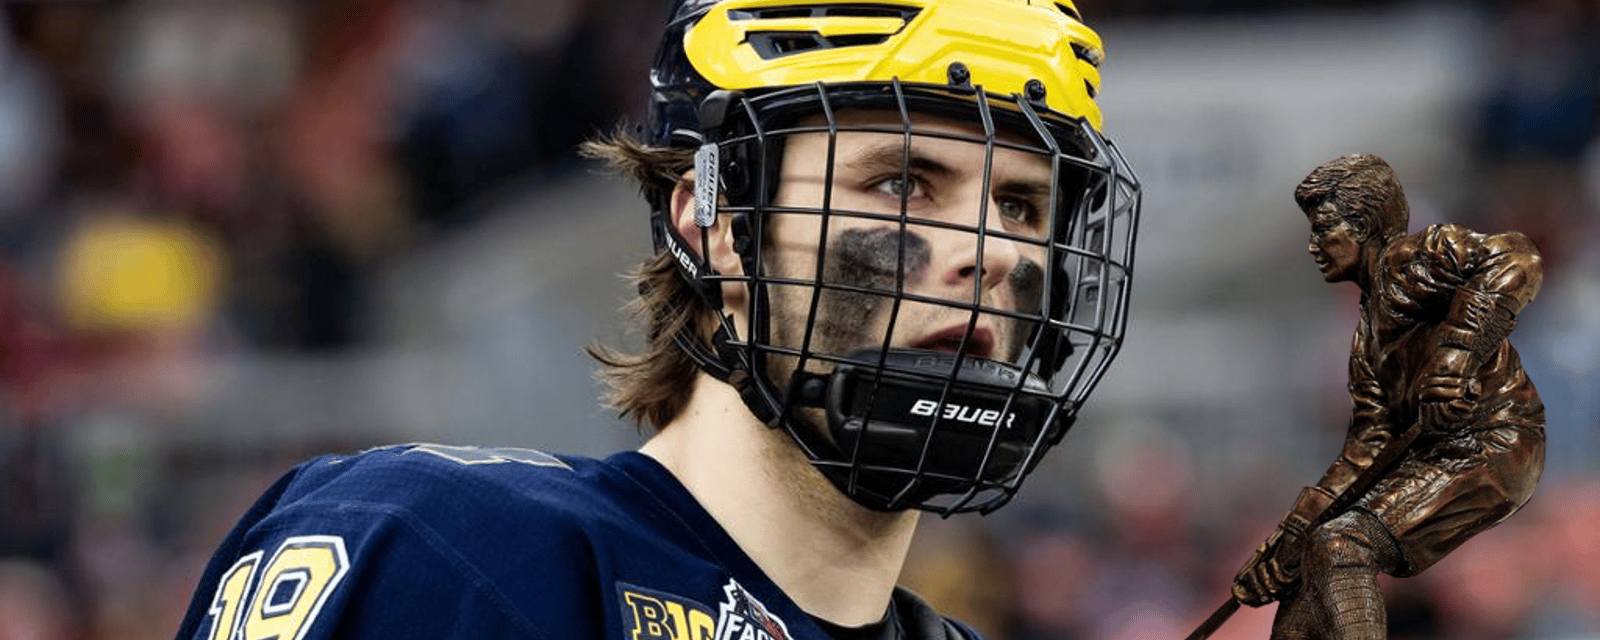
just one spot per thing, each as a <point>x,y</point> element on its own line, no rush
<point>1446,435</point>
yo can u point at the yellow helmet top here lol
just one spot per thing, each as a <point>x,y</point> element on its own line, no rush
<point>1032,49</point>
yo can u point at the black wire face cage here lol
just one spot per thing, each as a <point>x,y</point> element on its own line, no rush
<point>924,350</point>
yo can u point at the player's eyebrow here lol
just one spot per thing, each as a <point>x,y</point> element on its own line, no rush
<point>892,156</point>
<point>1024,188</point>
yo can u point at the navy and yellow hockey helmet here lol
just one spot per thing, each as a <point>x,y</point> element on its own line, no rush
<point>943,430</point>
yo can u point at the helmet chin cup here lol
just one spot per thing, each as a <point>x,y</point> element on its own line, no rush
<point>907,421</point>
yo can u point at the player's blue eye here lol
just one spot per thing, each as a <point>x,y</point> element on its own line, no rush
<point>900,186</point>
<point>1017,210</point>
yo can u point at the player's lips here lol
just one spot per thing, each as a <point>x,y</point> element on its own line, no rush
<point>980,344</point>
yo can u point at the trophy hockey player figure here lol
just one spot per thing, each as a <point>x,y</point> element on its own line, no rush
<point>1446,436</point>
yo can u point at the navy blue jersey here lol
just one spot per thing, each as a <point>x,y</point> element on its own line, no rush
<point>432,541</point>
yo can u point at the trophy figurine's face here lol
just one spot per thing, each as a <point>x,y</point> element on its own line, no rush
<point>1335,245</point>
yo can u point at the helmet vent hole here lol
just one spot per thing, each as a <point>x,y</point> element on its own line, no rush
<point>1070,11</point>
<point>786,40</point>
<point>857,40</point>
<point>1091,56</point>
<point>773,13</point>
<point>772,44</point>
<point>845,10</point>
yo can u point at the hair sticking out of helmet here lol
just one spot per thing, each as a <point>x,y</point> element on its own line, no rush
<point>822,129</point>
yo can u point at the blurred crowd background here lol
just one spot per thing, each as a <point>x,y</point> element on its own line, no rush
<point>236,234</point>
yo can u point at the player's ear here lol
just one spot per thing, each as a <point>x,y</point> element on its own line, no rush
<point>718,238</point>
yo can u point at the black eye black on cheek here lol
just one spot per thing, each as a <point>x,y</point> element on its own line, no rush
<point>1027,284</point>
<point>872,257</point>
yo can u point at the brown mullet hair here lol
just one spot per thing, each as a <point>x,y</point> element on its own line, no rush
<point>1366,191</point>
<point>651,387</point>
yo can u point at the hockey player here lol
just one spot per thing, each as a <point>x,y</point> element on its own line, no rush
<point>893,257</point>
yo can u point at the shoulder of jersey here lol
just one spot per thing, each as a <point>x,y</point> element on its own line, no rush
<point>423,478</point>
<point>502,525</point>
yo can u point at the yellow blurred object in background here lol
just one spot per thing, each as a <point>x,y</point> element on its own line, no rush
<point>121,273</point>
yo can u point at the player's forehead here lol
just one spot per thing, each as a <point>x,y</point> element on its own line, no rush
<point>875,133</point>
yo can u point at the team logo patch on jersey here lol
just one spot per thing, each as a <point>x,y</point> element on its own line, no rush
<point>653,615</point>
<point>742,617</point>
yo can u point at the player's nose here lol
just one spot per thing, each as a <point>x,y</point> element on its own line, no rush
<point>979,256</point>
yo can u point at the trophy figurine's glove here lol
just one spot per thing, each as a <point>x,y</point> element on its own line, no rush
<point>1446,399</point>
<point>1478,322</point>
<point>1271,572</point>
<point>1274,571</point>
